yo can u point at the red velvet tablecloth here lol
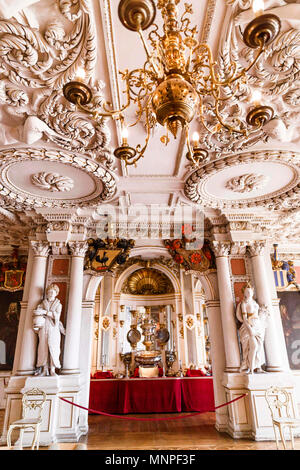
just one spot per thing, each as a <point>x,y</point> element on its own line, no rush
<point>161,395</point>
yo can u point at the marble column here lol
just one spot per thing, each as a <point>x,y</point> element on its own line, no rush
<point>232,352</point>
<point>273,359</point>
<point>73,326</point>
<point>35,293</point>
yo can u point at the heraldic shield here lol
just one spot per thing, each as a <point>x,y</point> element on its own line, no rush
<point>103,255</point>
<point>13,279</point>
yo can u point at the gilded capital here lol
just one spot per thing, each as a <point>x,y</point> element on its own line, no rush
<point>40,248</point>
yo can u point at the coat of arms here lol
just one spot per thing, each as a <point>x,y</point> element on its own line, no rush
<point>13,279</point>
<point>284,272</point>
<point>200,259</point>
<point>12,273</point>
<point>103,255</point>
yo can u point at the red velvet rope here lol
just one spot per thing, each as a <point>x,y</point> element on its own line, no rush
<point>133,418</point>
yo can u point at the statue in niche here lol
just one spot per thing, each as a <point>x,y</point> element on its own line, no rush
<point>252,332</point>
<point>46,322</point>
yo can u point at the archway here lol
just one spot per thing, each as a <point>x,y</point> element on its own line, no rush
<point>179,281</point>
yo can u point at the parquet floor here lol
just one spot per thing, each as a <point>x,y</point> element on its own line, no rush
<point>195,433</point>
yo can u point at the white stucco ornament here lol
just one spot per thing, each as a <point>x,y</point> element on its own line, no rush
<point>247,183</point>
<point>52,181</point>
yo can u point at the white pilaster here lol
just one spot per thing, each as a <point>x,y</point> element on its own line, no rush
<point>27,345</point>
<point>24,305</point>
<point>232,353</point>
<point>85,362</point>
<point>72,339</point>
<point>272,349</point>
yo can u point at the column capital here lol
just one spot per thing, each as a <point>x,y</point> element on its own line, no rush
<point>256,248</point>
<point>238,248</point>
<point>59,248</point>
<point>40,248</point>
<point>78,248</point>
<point>221,248</point>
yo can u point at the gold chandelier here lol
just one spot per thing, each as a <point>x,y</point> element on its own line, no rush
<point>178,76</point>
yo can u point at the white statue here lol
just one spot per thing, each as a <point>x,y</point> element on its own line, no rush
<point>252,332</point>
<point>46,322</point>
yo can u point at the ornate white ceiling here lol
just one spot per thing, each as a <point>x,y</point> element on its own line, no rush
<point>52,155</point>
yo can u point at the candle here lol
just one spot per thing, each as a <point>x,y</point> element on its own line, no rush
<point>256,97</point>
<point>258,7</point>
<point>195,140</point>
<point>80,74</point>
<point>124,136</point>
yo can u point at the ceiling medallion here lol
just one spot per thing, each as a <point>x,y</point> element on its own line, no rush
<point>247,183</point>
<point>147,281</point>
<point>18,189</point>
<point>284,196</point>
<point>52,181</point>
<point>180,81</point>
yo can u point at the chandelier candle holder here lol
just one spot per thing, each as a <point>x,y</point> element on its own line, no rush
<point>180,80</point>
<point>196,154</point>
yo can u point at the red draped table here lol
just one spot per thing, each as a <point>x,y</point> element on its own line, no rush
<point>153,395</point>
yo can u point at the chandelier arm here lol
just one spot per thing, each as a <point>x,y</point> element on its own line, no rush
<point>261,50</point>
<point>140,113</point>
<point>97,114</point>
<point>149,56</point>
<point>140,153</point>
<point>205,125</point>
<point>226,126</point>
<point>119,111</point>
<point>230,80</point>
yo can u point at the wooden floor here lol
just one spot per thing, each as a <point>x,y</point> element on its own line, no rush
<point>193,433</point>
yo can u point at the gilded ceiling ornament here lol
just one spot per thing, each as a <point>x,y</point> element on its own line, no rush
<point>247,183</point>
<point>275,74</point>
<point>180,80</point>
<point>52,181</point>
<point>147,281</point>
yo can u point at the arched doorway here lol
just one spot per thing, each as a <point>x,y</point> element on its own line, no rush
<point>204,286</point>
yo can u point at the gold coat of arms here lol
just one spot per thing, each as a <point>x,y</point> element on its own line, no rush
<point>103,255</point>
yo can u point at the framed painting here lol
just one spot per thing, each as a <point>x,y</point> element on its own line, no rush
<point>9,322</point>
<point>290,315</point>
